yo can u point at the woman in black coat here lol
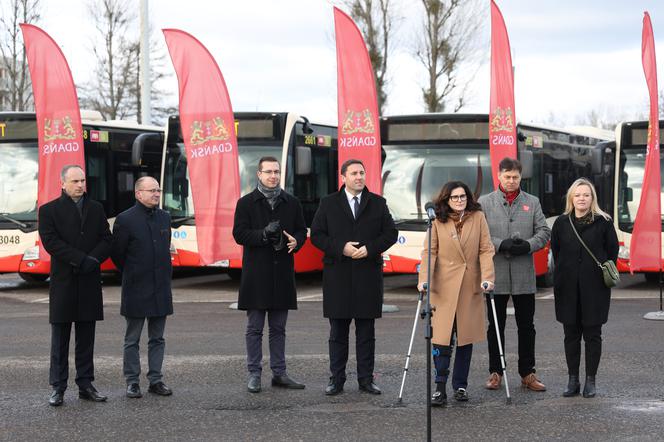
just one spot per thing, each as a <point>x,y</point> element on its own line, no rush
<point>581,297</point>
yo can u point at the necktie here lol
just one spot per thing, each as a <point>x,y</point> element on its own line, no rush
<point>356,206</point>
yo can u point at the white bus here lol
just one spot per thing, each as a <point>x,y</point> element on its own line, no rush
<point>308,156</point>
<point>422,152</point>
<point>116,154</point>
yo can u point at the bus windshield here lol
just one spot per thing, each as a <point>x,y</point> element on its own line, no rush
<point>414,174</point>
<point>630,182</point>
<point>177,186</point>
<point>19,172</point>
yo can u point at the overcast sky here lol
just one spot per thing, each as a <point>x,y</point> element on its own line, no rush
<point>570,56</point>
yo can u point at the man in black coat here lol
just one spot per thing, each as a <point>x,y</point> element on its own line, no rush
<point>269,223</point>
<point>141,250</point>
<point>353,227</point>
<point>74,231</point>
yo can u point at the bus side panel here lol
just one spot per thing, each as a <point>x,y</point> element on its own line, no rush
<point>308,259</point>
<point>541,258</point>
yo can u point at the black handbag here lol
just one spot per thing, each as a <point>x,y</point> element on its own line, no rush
<point>609,269</point>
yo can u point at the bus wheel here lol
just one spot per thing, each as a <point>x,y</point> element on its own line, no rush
<point>652,277</point>
<point>235,274</point>
<point>33,277</point>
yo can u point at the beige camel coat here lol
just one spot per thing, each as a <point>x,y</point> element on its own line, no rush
<point>459,267</point>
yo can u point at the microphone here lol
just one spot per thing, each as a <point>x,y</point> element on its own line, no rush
<point>431,210</point>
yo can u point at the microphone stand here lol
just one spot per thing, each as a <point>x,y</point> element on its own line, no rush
<point>427,313</point>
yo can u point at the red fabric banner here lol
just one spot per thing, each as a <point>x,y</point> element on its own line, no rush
<point>359,128</point>
<point>645,247</point>
<point>502,116</point>
<point>59,129</point>
<point>208,129</point>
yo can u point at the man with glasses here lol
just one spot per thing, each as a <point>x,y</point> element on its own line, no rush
<point>518,229</point>
<point>141,250</point>
<point>269,224</point>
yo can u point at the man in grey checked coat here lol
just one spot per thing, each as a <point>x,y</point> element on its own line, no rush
<point>518,229</point>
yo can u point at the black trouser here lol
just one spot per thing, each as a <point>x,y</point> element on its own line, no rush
<point>85,343</point>
<point>524,312</point>
<point>365,345</point>
<point>592,335</point>
<point>442,354</point>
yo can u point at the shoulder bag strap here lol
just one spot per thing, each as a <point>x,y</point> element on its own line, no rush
<point>581,241</point>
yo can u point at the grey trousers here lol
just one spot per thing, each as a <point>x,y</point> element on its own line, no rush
<point>277,324</point>
<point>156,345</point>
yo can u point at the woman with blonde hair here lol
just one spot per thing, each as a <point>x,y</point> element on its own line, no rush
<point>581,297</point>
<point>461,265</point>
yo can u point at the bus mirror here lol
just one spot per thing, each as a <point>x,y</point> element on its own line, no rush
<point>138,146</point>
<point>629,195</point>
<point>302,160</point>
<point>526,158</point>
<point>596,161</point>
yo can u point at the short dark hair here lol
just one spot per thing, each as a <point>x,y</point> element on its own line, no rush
<point>508,164</point>
<point>348,163</point>
<point>442,207</point>
<point>267,160</point>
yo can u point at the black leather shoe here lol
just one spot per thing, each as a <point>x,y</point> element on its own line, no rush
<point>57,398</point>
<point>589,387</point>
<point>438,399</point>
<point>461,395</point>
<point>91,394</point>
<point>573,386</point>
<point>370,387</point>
<point>134,391</point>
<point>254,384</point>
<point>333,388</point>
<point>160,388</point>
<point>284,381</point>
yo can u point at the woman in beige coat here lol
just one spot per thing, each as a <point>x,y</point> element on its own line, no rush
<point>462,257</point>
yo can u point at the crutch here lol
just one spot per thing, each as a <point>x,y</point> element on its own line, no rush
<point>500,345</point>
<point>410,346</point>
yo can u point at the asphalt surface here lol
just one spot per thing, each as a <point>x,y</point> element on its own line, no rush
<point>205,366</point>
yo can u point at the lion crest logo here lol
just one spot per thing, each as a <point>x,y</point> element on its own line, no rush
<point>209,130</point>
<point>358,122</point>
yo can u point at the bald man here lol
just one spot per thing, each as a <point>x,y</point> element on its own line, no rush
<point>141,251</point>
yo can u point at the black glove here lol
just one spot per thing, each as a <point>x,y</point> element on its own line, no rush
<point>506,245</point>
<point>89,265</point>
<point>272,232</point>
<point>519,247</point>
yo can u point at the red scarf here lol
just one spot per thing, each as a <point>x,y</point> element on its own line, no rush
<point>509,196</point>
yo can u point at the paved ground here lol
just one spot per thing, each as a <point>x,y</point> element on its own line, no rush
<point>205,367</point>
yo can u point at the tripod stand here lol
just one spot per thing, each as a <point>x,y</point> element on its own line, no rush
<point>426,313</point>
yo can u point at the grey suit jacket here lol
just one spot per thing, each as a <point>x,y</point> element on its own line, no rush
<point>515,275</point>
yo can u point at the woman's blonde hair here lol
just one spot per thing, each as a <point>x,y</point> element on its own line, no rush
<point>594,207</point>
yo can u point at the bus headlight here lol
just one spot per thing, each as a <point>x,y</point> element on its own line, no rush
<point>623,252</point>
<point>31,254</point>
<point>173,250</point>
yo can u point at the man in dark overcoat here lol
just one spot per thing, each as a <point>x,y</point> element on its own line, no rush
<point>141,251</point>
<point>353,227</point>
<point>74,230</point>
<point>269,224</point>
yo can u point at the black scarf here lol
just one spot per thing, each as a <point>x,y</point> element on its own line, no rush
<point>270,194</point>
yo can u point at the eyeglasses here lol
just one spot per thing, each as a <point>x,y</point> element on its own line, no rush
<point>271,172</point>
<point>152,191</point>
<point>463,197</point>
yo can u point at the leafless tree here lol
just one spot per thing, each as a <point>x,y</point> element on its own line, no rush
<point>376,19</point>
<point>14,63</point>
<point>449,39</point>
<point>109,92</point>
<point>115,90</point>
